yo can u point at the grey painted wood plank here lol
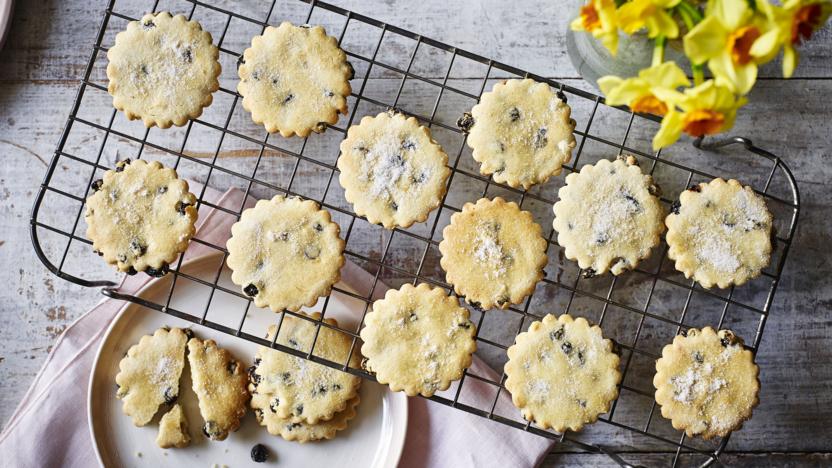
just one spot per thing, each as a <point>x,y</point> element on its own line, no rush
<point>51,40</point>
<point>36,306</point>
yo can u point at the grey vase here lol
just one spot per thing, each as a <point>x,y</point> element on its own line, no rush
<point>635,52</point>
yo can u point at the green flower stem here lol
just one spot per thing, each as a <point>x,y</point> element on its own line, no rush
<point>698,74</point>
<point>691,16</point>
<point>658,50</point>
<point>691,10</point>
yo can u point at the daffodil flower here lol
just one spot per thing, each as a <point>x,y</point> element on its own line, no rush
<point>724,39</point>
<point>599,18</point>
<point>649,14</point>
<point>791,25</point>
<point>706,109</point>
<point>653,92</point>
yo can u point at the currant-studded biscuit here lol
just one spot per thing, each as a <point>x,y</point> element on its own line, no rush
<point>285,253</point>
<point>149,373</point>
<point>173,429</point>
<point>219,382</point>
<point>706,383</point>
<point>163,70</point>
<point>608,217</point>
<point>295,79</point>
<point>493,253</point>
<point>418,339</point>
<point>391,170</point>
<point>304,432</point>
<point>140,217</point>
<point>562,373</point>
<point>520,132</point>
<point>719,233</point>
<point>298,390</point>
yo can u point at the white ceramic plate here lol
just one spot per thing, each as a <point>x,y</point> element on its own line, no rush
<point>373,439</point>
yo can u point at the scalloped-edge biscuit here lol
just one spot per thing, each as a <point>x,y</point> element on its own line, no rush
<point>163,69</point>
<point>418,339</point>
<point>562,373</point>
<point>149,373</point>
<point>140,217</point>
<point>493,253</point>
<point>608,216</point>
<point>521,132</point>
<point>304,432</point>
<point>299,390</point>
<point>719,233</point>
<point>285,253</point>
<point>295,79</point>
<point>220,383</point>
<point>707,383</point>
<point>392,171</point>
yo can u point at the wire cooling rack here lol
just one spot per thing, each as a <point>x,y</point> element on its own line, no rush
<point>633,309</point>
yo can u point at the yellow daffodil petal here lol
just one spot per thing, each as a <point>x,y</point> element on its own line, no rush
<point>738,78</point>
<point>790,59</point>
<point>670,96</point>
<point>666,75</point>
<point>731,13</point>
<point>707,39</point>
<point>766,46</point>
<point>667,3</point>
<point>631,15</point>
<point>662,24</point>
<point>627,91</point>
<point>669,131</point>
<point>577,24</point>
<point>607,83</point>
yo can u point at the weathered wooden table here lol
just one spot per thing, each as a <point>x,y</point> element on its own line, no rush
<point>48,48</point>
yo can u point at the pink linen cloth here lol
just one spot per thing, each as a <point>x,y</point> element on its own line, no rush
<point>50,428</point>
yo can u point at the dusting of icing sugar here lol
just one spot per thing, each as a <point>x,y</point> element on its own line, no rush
<point>697,382</point>
<point>752,210</point>
<point>715,250</point>
<point>563,146</point>
<point>385,165</point>
<point>162,374</point>
<point>612,216</point>
<point>489,252</point>
<point>716,384</point>
<point>538,389</point>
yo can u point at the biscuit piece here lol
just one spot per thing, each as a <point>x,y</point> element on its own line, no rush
<point>562,373</point>
<point>285,253</point>
<point>149,373</point>
<point>493,253</point>
<point>295,79</point>
<point>219,382</point>
<point>719,233</point>
<point>418,339</point>
<point>608,217</point>
<point>392,171</point>
<point>706,383</point>
<point>163,70</point>
<point>303,432</point>
<point>173,429</point>
<point>141,217</point>
<point>298,390</point>
<point>520,132</point>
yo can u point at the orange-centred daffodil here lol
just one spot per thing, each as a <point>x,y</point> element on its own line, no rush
<point>653,92</point>
<point>724,39</point>
<point>651,15</point>
<point>791,25</point>
<point>599,18</point>
<point>707,109</point>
